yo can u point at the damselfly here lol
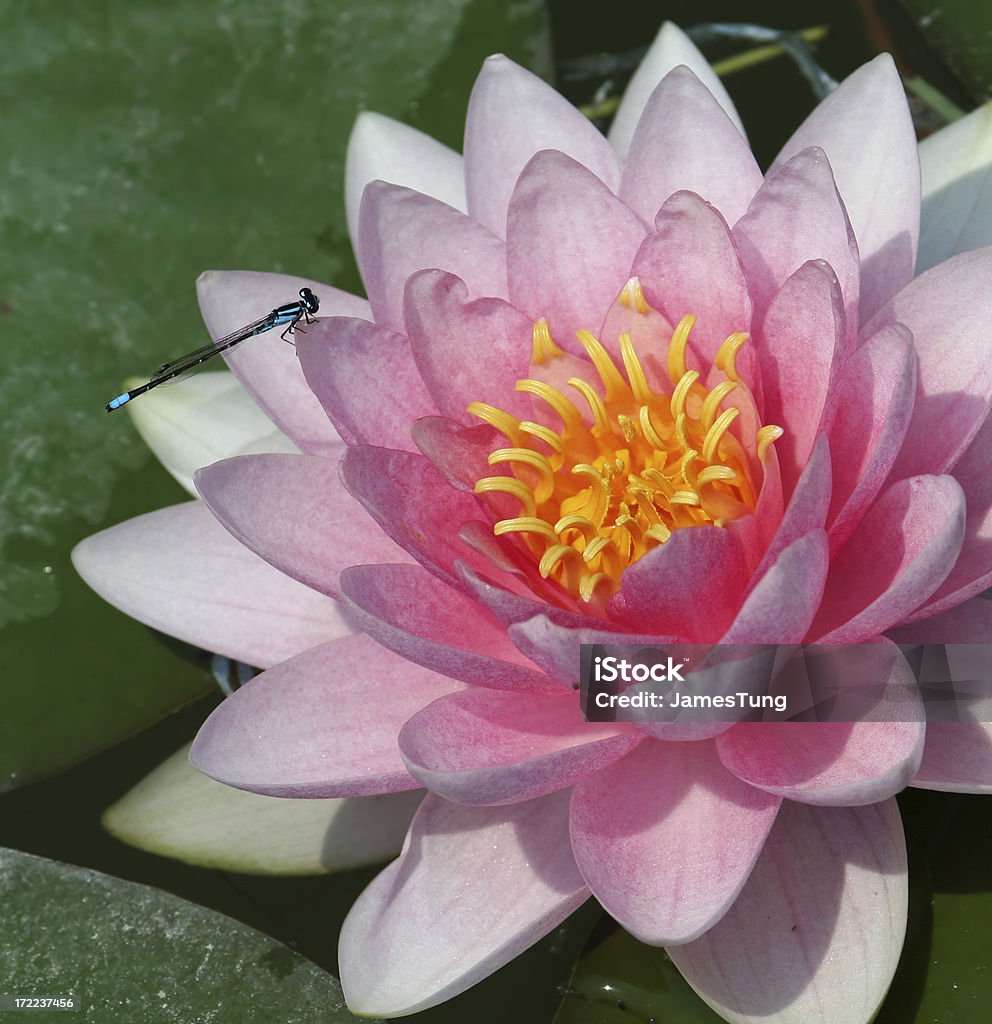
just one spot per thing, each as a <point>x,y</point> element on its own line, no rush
<point>291,313</point>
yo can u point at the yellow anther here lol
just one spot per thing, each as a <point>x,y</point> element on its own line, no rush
<point>506,424</point>
<point>635,372</point>
<point>546,434</point>
<point>509,485</point>
<point>681,392</point>
<point>627,427</point>
<point>632,526</point>
<point>658,532</point>
<point>553,556</point>
<point>767,436</point>
<point>525,524</point>
<point>590,584</point>
<point>687,467</point>
<point>543,346</point>
<point>726,356</point>
<point>608,373</point>
<point>712,402</point>
<point>594,402</point>
<point>526,457</point>
<point>711,474</point>
<point>681,431</point>
<point>632,296</point>
<point>715,434</point>
<point>596,548</point>
<point>676,348</point>
<point>651,435</point>
<point>616,482</point>
<point>570,416</point>
<point>586,528</point>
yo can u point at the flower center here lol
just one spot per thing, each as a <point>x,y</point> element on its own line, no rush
<point>609,485</point>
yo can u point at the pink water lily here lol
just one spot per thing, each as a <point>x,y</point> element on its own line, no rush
<point>602,389</point>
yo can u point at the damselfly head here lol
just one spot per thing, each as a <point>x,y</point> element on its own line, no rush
<point>310,301</point>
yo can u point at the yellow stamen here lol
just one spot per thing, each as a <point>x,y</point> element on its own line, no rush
<point>632,296</point>
<point>676,348</point>
<point>594,402</point>
<point>726,356</point>
<point>767,436</point>
<point>509,485</point>
<point>543,346</point>
<point>605,367</point>
<point>602,490</point>
<point>506,424</point>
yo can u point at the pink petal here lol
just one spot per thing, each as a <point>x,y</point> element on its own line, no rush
<point>685,140</point>
<point>366,380</point>
<point>947,309</point>
<point>648,330</point>
<point>266,366</point>
<point>512,115</point>
<point>801,341</point>
<point>401,231</point>
<point>409,611</point>
<point>972,573</point>
<point>816,933</point>
<point>386,150</point>
<point>556,647</point>
<point>178,570</point>
<point>966,623</point>
<point>957,758</point>
<point>689,586</point>
<point>807,508</point>
<point>459,453</point>
<point>878,176</point>
<point>878,382</point>
<point>323,724</point>
<point>666,837</point>
<point>829,763</point>
<point>896,558</point>
<point>570,244</point>
<point>473,888</point>
<point>784,602</point>
<point>798,216</point>
<point>294,512</point>
<point>510,607</point>
<point>690,265</point>
<point>467,351</point>
<point>487,747</point>
<point>401,490</point>
<point>671,47</point>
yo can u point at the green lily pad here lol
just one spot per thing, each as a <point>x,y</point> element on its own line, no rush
<point>961,33</point>
<point>619,980</point>
<point>128,952</point>
<point>945,976</point>
<point>150,142</point>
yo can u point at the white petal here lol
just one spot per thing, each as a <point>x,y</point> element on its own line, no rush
<point>957,189</point>
<point>473,888</point>
<point>203,420</point>
<point>815,935</point>
<point>178,812</point>
<point>671,47</point>
<point>381,149</point>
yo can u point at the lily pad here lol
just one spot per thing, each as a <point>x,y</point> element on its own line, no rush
<point>961,34</point>
<point>149,142</point>
<point>123,951</point>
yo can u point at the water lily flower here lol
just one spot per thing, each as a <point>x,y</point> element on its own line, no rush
<point>604,389</point>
